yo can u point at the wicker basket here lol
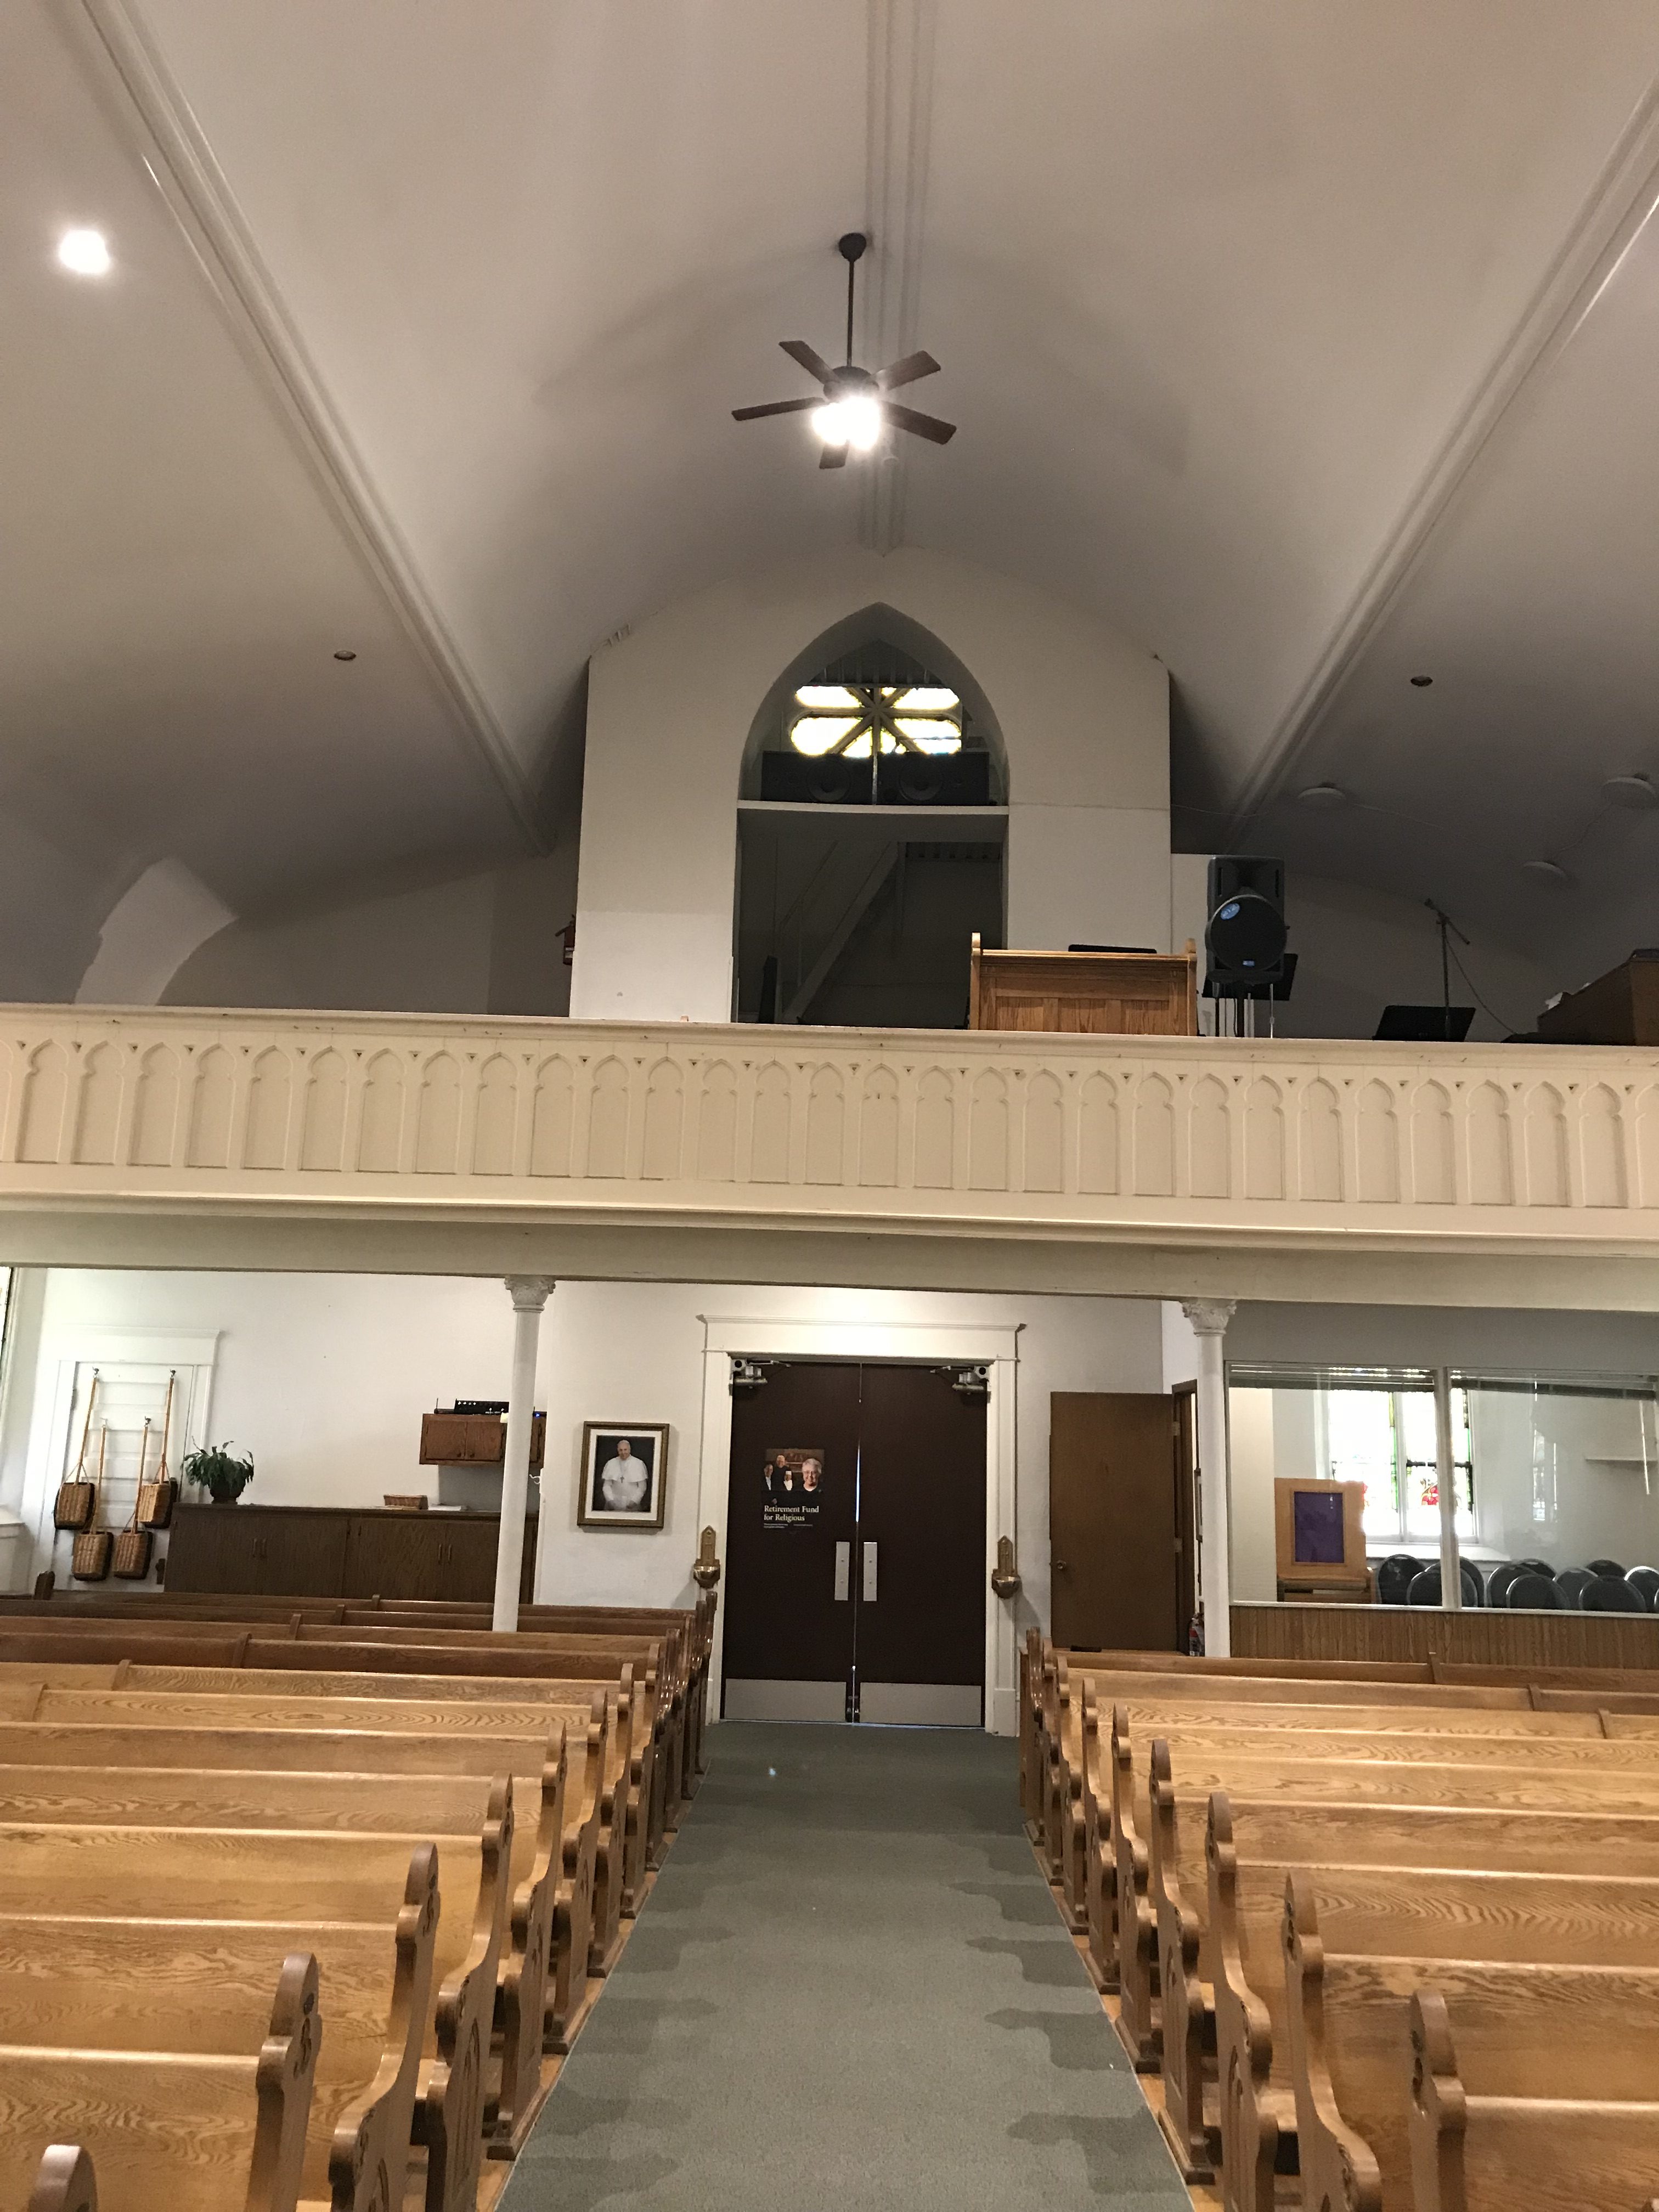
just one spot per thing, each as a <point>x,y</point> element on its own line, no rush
<point>155,1502</point>
<point>157,1499</point>
<point>89,1556</point>
<point>131,1554</point>
<point>75,1503</point>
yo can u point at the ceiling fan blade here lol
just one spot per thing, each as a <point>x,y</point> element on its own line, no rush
<point>906,371</point>
<point>924,426</point>
<point>813,363</point>
<point>833,456</point>
<point>774,407</point>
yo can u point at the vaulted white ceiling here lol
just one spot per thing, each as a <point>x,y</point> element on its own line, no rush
<point>1309,346</point>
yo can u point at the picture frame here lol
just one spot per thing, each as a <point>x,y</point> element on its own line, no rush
<point>623,1478</point>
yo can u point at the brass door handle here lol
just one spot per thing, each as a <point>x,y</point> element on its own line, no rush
<point>706,1568</point>
<point>1004,1576</point>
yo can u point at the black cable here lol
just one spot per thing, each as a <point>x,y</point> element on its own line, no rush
<point>1509,1027</point>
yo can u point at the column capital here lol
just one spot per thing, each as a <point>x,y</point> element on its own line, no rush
<point>1209,1316</point>
<point>530,1293</point>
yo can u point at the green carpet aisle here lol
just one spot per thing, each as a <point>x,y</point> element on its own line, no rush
<point>849,1990</point>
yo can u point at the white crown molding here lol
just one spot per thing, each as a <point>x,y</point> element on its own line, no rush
<point>176,152</point>
<point>898,134</point>
<point>1614,214</point>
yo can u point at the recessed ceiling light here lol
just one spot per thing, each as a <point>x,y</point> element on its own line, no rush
<point>1422,682</point>
<point>84,253</point>
<point>1323,794</point>
<point>346,656</point>
<point>1545,872</point>
<point>1630,791</point>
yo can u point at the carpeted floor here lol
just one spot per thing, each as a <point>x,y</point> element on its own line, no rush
<point>850,1988</point>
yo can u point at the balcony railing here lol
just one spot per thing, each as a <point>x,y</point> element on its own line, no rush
<point>177,1116</point>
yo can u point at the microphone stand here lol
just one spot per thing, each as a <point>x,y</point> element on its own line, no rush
<point>1445,924</point>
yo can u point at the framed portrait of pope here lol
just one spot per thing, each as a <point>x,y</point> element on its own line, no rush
<point>624,1474</point>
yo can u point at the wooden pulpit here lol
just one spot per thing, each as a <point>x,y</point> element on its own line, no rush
<point>1086,994</point>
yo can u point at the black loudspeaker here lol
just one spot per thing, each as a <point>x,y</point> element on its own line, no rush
<point>1244,937</point>
<point>831,780</point>
<point>935,780</point>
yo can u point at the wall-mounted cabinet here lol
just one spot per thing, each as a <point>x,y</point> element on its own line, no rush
<point>474,1439</point>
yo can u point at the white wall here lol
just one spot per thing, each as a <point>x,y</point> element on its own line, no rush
<point>1083,717</point>
<point>323,1378</point>
<point>486,942</point>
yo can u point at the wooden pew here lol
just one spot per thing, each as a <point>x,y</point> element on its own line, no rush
<point>130,1630</point>
<point>592,1868</point>
<point>312,1876</point>
<point>1080,1853</point>
<point>451,1809</point>
<point>166,2133</point>
<point>1160,1919</point>
<point>1055,1781</point>
<point>625,1781</point>
<point>1550,2035</point>
<point>1416,1912</point>
<point>374,1699</point>
<point>202,1989</point>
<point>1476,2153</point>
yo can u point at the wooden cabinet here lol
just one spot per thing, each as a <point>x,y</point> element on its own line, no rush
<point>245,1549</point>
<point>307,1551</point>
<point>474,1439</point>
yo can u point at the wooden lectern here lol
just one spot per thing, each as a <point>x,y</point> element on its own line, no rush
<point>1086,994</point>
<point>1319,1540</point>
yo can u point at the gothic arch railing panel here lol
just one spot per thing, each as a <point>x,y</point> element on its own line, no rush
<point>1099,1136</point>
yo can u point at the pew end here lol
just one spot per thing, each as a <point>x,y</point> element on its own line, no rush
<point>1338,2165</point>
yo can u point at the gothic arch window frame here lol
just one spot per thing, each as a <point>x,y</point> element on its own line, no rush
<point>859,650</point>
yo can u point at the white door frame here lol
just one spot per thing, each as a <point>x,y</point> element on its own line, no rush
<point>766,1337</point>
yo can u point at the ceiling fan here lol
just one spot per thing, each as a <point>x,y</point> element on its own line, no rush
<point>854,408</point>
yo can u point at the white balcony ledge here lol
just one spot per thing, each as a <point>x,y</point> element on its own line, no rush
<point>1480,1174</point>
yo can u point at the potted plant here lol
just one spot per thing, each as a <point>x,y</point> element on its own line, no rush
<point>215,1469</point>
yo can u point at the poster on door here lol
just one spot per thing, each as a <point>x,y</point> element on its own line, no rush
<point>792,1486</point>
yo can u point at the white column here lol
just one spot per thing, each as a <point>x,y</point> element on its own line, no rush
<point>1451,1574</point>
<point>1209,1318</point>
<point>529,1293</point>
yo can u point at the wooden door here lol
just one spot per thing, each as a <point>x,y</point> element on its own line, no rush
<point>1114,1534</point>
<point>920,1613</point>
<point>788,1588</point>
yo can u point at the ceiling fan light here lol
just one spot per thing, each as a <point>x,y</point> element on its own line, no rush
<point>863,418</point>
<point>830,423</point>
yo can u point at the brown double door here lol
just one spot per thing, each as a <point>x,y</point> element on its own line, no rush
<point>1122,1540</point>
<point>855,1569</point>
